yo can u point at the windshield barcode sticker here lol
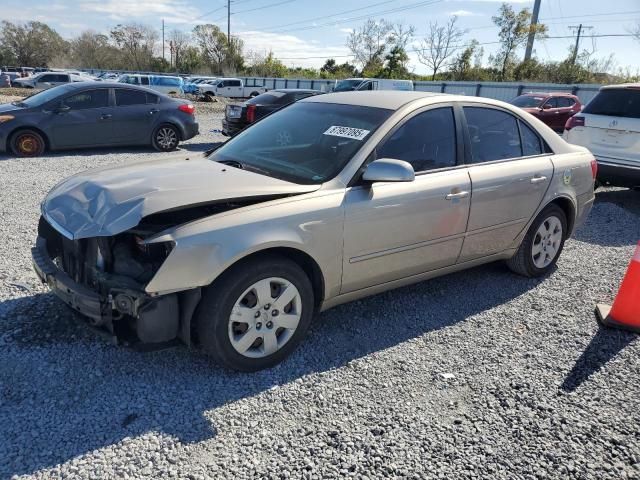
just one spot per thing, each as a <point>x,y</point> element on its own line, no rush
<point>347,132</point>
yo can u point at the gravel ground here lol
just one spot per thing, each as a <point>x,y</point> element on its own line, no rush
<point>480,374</point>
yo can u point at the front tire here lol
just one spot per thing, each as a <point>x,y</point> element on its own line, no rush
<point>27,143</point>
<point>542,245</point>
<point>166,138</point>
<point>255,314</point>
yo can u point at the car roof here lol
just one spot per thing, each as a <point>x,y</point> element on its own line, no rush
<point>621,85</point>
<point>93,84</point>
<point>294,90</point>
<point>389,99</point>
<point>547,94</point>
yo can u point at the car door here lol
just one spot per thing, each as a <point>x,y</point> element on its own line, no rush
<point>510,170</point>
<point>550,113</point>
<point>565,111</point>
<point>395,230</point>
<point>82,119</point>
<point>136,114</point>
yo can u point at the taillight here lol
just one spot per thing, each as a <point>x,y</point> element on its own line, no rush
<point>251,113</point>
<point>575,121</point>
<point>594,168</point>
<point>187,108</point>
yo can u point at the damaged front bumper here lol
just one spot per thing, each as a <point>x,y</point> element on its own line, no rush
<point>124,315</point>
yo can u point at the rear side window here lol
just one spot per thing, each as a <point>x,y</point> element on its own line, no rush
<point>130,97</point>
<point>47,78</point>
<point>144,80</point>
<point>89,99</point>
<point>234,83</point>
<point>493,134</point>
<point>427,141</point>
<point>622,102</point>
<point>565,102</point>
<point>531,143</point>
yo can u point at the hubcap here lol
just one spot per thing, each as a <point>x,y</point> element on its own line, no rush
<point>265,317</point>
<point>547,241</point>
<point>167,138</point>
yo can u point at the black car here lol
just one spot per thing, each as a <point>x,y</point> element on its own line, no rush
<point>94,114</point>
<point>239,116</point>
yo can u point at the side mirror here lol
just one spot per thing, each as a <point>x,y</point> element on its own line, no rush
<point>389,170</point>
<point>546,106</point>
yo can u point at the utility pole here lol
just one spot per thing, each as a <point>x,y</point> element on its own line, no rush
<point>163,39</point>
<point>229,22</point>
<point>575,50</point>
<point>532,30</point>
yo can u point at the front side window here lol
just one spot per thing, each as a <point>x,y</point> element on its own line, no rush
<point>130,97</point>
<point>144,80</point>
<point>527,101</point>
<point>427,141</point>
<point>306,143</point>
<point>551,103</point>
<point>89,99</point>
<point>493,134</point>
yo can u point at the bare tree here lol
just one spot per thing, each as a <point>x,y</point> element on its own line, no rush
<point>635,31</point>
<point>439,45</point>
<point>91,49</point>
<point>137,43</point>
<point>213,45</point>
<point>369,43</point>
<point>178,41</point>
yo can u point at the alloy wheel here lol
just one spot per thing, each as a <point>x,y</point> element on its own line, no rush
<point>546,242</point>
<point>265,317</point>
<point>167,138</point>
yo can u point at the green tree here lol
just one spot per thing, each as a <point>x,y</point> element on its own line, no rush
<point>30,44</point>
<point>514,31</point>
<point>395,64</point>
<point>93,50</point>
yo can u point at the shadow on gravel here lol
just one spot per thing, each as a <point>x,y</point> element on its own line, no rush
<point>65,393</point>
<point>604,346</point>
<point>618,219</point>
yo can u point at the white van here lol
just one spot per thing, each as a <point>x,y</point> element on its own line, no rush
<point>160,83</point>
<point>351,84</point>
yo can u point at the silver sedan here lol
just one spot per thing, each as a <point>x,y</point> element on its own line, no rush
<point>331,199</point>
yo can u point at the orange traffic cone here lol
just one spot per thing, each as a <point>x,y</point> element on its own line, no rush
<point>625,312</point>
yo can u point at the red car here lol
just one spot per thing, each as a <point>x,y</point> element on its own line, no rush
<point>554,109</point>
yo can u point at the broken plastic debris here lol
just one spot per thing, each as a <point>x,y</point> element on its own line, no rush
<point>447,376</point>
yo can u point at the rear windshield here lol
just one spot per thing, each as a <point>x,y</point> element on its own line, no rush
<point>527,101</point>
<point>619,102</point>
<point>307,142</point>
<point>267,98</point>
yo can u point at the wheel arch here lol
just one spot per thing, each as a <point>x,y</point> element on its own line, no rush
<point>568,207</point>
<point>45,137</point>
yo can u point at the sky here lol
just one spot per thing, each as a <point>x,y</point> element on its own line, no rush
<point>306,32</point>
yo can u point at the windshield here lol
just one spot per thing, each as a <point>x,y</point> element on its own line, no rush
<point>527,101</point>
<point>615,102</point>
<point>305,143</point>
<point>347,85</point>
<point>42,97</point>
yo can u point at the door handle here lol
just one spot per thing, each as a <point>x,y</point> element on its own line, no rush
<point>538,179</point>
<point>105,116</point>
<point>452,196</point>
<point>153,112</point>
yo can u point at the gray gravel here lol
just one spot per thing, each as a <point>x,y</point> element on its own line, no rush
<point>481,374</point>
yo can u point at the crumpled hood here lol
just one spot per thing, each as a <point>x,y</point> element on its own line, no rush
<point>111,200</point>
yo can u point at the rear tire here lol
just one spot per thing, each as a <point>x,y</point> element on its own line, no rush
<point>542,245</point>
<point>166,138</point>
<point>27,143</point>
<point>240,321</point>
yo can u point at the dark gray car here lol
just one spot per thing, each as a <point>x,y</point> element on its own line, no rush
<point>90,114</point>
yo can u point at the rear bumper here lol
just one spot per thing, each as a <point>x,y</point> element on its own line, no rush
<point>190,130</point>
<point>617,174</point>
<point>231,128</point>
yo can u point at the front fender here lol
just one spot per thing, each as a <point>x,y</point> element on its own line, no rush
<point>204,250</point>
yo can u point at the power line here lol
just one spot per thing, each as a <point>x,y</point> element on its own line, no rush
<point>263,7</point>
<point>414,50</point>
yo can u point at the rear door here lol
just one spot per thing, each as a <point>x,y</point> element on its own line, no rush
<point>85,119</point>
<point>612,126</point>
<point>135,116</point>
<point>566,109</point>
<point>510,172</point>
